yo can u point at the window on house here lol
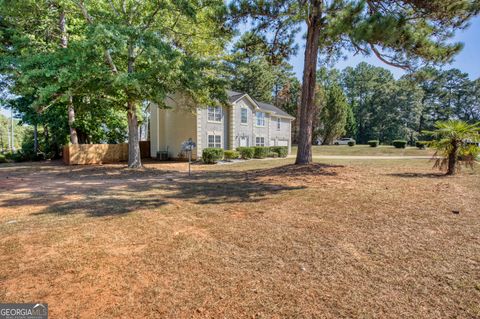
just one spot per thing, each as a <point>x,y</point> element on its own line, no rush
<point>215,113</point>
<point>215,141</point>
<point>278,124</point>
<point>243,115</point>
<point>260,118</point>
<point>259,141</point>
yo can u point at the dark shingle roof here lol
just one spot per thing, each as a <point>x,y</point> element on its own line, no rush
<point>234,96</point>
<point>273,109</point>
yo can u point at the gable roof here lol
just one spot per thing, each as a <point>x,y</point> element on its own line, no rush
<point>235,96</point>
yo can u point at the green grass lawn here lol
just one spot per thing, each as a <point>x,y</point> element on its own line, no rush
<point>366,150</point>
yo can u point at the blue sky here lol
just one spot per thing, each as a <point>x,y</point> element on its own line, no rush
<point>467,60</point>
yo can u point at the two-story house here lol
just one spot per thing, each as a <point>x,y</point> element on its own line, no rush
<point>244,122</point>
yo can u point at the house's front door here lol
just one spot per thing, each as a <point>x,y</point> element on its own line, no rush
<point>243,141</point>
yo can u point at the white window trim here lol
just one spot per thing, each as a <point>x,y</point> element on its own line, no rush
<point>214,142</point>
<point>221,114</point>
<point>257,144</point>
<point>241,109</point>
<point>264,119</point>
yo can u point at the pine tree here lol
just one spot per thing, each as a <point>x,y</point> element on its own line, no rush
<point>333,116</point>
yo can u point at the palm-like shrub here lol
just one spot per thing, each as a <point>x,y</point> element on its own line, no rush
<point>455,143</point>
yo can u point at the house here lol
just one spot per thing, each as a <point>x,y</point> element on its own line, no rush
<point>244,122</point>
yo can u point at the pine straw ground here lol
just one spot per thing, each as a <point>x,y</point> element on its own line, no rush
<point>262,239</point>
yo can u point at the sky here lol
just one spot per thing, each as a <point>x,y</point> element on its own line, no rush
<point>468,60</point>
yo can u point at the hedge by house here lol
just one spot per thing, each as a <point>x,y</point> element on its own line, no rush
<point>373,143</point>
<point>246,152</point>
<point>282,151</point>
<point>231,154</point>
<point>261,151</point>
<point>211,155</point>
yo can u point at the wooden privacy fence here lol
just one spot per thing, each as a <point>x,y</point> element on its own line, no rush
<point>81,154</point>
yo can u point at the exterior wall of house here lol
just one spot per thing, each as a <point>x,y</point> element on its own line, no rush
<point>243,132</point>
<point>282,136</point>
<point>170,128</point>
<point>250,130</point>
<point>261,131</point>
<point>206,127</point>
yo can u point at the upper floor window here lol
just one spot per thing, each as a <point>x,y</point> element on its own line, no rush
<point>214,113</point>
<point>278,124</point>
<point>215,141</point>
<point>260,118</point>
<point>243,115</point>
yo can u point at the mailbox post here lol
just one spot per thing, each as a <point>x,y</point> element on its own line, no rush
<point>188,147</point>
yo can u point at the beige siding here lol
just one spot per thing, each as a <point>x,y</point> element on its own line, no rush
<point>173,126</point>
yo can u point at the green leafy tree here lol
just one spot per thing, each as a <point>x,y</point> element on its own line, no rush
<point>447,94</point>
<point>113,54</point>
<point>455,142</point>
<point>333,116</point>
<point>398,33</point>
<point>369,92</point>
<point>154,48</point>
<point>351,123</point>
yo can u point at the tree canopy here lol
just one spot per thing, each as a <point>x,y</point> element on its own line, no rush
<point>119,54</point>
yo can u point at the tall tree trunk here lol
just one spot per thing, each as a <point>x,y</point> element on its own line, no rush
<point>452,159</point>
<point>47,138</point>
<point>307,105</point>
<point>134,160</point>
<point>71,121</point>
<point>35,138</point>
<point>71,110</point>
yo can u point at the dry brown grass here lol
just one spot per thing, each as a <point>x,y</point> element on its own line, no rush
<point>261,239</point>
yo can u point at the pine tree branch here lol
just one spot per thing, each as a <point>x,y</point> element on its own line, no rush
<point>384,60</point>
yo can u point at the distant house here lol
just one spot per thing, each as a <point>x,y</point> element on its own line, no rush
<point>245,122</point>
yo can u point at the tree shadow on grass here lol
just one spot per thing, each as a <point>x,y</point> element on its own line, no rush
<point>100,197</point>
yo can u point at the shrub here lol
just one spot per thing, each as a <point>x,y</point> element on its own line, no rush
<point>421,144</point>
<point>211,155</point>
<point>261,151</point>
<point>231,154</point>
<point>282,151</point>
<point>2,158</point>
<point>17,156</point>
<point>399,143</point>
<point>272,154</point>
<point>351,143</point>
<point>373,143</point>
<point>246,152</point>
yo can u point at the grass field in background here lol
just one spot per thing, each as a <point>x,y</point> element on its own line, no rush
<point>366,150</point>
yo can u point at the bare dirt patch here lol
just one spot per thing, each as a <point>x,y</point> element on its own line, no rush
<point>257,239</point>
